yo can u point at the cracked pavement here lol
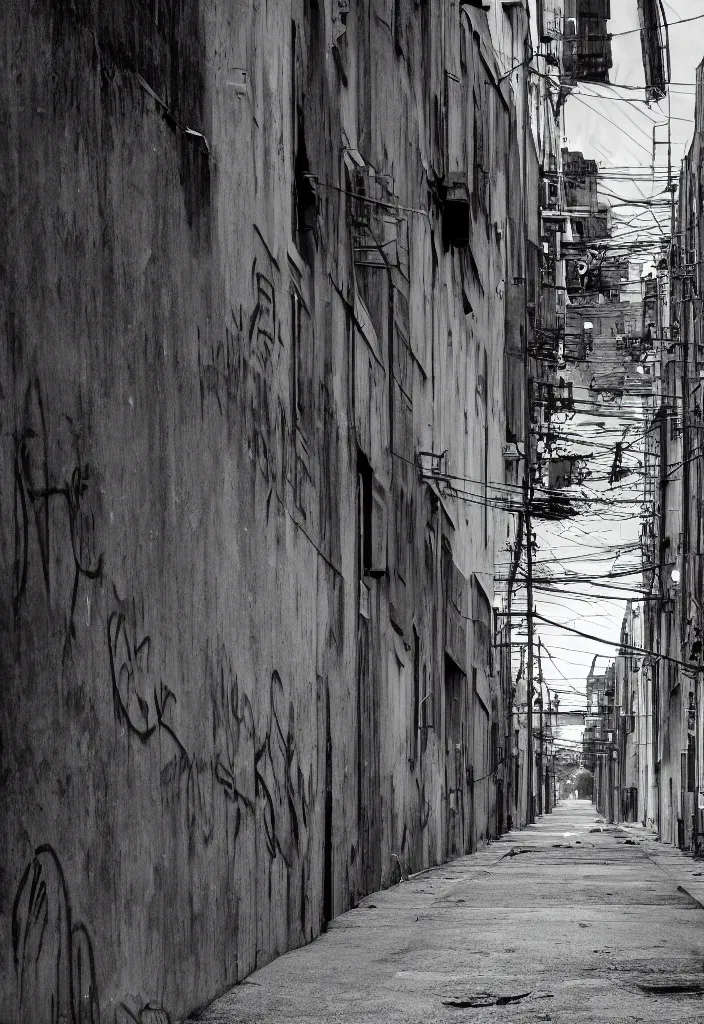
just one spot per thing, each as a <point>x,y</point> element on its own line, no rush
<point>567,920</point>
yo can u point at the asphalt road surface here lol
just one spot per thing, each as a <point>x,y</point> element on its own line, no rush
<point>568,920</point>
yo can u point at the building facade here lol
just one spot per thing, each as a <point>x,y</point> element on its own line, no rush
<point>587,42</point>
<point>270,315</point>
<point>671,531</point>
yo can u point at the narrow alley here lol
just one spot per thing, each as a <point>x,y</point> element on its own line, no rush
<point>351,511</point>
<point>569,920</point>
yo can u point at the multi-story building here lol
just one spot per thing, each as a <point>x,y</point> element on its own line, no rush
<point>599,737</point>
<point>589,270</point>
<point>628,694</point>
<point>671,531</point>
<point>272,305</point>
<point>617,731</point>
<point>654,47</point>
<point>587,41</point>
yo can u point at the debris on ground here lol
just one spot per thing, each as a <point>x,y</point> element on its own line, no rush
<point>693,988</point>
<point>484,999</point>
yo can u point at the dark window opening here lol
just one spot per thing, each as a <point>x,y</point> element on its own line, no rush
<point>486,449</point>
<point>416,693</point>
<point>302,365</point>
<point>656,712</point>
<point>398,28</point>
<point>516,772</point>
<point>304,200</point>
<point>364,489</point>
<point>298,400</point>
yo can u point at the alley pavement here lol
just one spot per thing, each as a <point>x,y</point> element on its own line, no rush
<point>568,920</point>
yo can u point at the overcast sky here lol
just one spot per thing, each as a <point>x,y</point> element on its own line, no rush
<point>617,133</point>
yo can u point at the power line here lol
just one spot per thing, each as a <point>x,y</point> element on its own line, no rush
<point>670,24</point>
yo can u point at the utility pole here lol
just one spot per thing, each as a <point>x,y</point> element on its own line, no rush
<point>549,755</point>
<point>527,484</point>
<point>529,599</point>
<point>541,734</point>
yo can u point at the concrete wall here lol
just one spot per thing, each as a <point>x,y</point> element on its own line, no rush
<point>245,641</point>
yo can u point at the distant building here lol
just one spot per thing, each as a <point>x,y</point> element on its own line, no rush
<point>581,177</point>
<point>631,283</point>
<point>671,719</point>
<point>654,49</point>
<point>588,221</point>
<point>587,53</point>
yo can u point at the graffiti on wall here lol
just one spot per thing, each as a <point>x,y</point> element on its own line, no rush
<point>280,783</point>
<point>250,352</point>
<point>234,735</point>
<point>264,334</point>
<point>258,341</point>
<point>220,364</point>
<point>258,767</point>
<point>52,952</point>
<point>148,1014</point>
<point>34,496</point>
<point>53,956</point>
<point>145,705</point>
<point>142,702</point>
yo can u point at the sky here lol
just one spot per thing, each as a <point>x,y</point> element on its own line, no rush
<point>618,134</point>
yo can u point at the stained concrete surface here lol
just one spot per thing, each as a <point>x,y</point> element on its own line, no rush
<point>568,920</point>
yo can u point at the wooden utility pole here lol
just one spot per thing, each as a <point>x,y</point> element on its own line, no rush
<point>527,484</point>
<point>529,600</point>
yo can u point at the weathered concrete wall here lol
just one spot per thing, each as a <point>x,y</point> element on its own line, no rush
<point>231,702</point>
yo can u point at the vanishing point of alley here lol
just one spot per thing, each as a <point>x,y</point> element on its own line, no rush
<point>569,920</point>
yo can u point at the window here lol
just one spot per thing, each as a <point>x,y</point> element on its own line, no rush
<point>301,364</point>
<point>494,746</point>
<point>416,694</point>
<point>479,154</point>
<point>486,450</point>
<point>304,206</point>
<point>402,530</point>
<point>364,513</point>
